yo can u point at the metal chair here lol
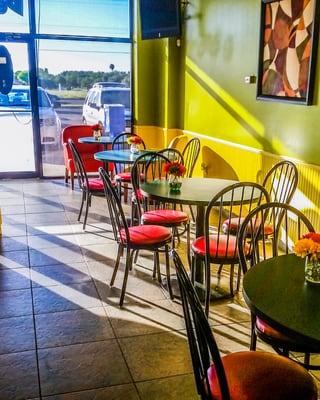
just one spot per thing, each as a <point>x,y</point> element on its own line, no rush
<point>243,375</point>
<point>89,186</point>
<point>190,155</point>
<point>149,168</point>
<point>281,183</point>
<point>133,238</point>
<point>216,246</point>
<point>172,155</point>
<point>123,171</point>
<point>256,243</point>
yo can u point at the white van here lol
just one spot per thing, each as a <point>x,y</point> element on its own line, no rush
<point>98,96</point>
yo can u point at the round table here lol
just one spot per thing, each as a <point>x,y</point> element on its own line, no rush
<point>104,140</point>
<point>276,291</point>
<point>194,191</point>
<point>119,156</point>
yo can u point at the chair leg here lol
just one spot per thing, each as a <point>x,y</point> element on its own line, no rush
<point>125,193</point>
<point>220,270</point>
<point>116,266</point>
<point>168,273</point>
<point>238,278</point>
<point>157,265</point>
<point>125,278</point>
<point>188,245</point>
<point>82,202</point>
<point>72,180</point>
<point>192,214</point>
<point>253,341</point>
<point>307,360</point>
<point>208,288</point>
<point>66,175</point>
<point>193,269</point>
<point>231,279</point>
<point>87,210</point>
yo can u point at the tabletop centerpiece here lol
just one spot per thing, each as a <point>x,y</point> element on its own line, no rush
<point>134,142</point>
<point>309,248</point>
<point>97,131</point>
<point>175,170</point>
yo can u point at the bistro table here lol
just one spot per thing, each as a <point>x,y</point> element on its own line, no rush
<point>104,140</point>
<point>194,191</point>
<point>119,156</point>
<point>275,290</point>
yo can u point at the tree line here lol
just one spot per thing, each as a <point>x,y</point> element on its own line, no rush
<point>68,80</point>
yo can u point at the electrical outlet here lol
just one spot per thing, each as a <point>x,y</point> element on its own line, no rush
<point>250,79</point>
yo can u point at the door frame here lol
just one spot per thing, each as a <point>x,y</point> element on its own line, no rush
<point>23,38</point>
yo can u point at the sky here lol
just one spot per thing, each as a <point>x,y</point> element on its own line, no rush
<point>75,17</point>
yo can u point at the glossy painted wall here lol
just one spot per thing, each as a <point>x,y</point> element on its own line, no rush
<point>222,38</point>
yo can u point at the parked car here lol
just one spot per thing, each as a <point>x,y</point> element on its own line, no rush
<point>109,84</point>
<point>99,96</point>
<point>18,100</point>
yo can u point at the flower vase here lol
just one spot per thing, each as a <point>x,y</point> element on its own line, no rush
<point>175,184</point>
<point>312,270</point>
<point>134,148</point>
<point>97,134</point>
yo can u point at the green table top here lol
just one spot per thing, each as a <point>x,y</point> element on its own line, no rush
<point>92,140</point>
<point>276,291</point>
<point>196,191</point>
<point>119,156</point>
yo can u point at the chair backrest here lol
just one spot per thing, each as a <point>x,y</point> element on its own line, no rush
<point>190,155</point>
<point>281,181</point>
<point>230,205</point>
<point>175,142</point>
<point>117,216</point>
<point>203,347</point>
<point>120,142</point>
<point>270,230</point>
<point>148,167</point>
<point>172,155</point>
<point>80,170</point>
<point>74,132</point>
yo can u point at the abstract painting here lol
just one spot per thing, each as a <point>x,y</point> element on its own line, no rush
<point>288,46</point>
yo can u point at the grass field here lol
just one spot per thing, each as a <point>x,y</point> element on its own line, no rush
<point>69,94</point>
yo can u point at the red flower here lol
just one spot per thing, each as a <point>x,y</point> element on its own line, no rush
<point>97,127</point>
<point>313,236</point>
<point>174,168</point>
<point>134,139</point>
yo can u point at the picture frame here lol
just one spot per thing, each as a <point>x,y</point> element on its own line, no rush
<point>289,31</point>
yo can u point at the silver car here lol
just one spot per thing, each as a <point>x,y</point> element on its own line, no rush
<point>18,100</point>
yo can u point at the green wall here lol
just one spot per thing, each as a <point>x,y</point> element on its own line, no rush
<point>200,85</point>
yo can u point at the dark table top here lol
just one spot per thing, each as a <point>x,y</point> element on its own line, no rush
<point>196,191</point>
<point>276,291</point>
<point>92,140</point>
<point>119,156</point>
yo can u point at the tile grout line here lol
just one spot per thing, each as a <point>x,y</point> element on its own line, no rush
<point>115,336</point>
<point>33,316</point>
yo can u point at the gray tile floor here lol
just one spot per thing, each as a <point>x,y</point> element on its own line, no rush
<point>63,335</point>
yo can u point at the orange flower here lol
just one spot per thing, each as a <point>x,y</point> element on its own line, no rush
<point>308,246</point>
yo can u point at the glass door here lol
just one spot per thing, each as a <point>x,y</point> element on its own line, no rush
<point>17,146</point>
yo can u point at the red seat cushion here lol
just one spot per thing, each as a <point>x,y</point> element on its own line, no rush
<point>164,217</point>
<point>257,375</point>
<point>233,224</point>
<point>123,176</point>
<point>226,247</point>
<point>95,184</point>
<point>266,329</point>
<point>146,235</point>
